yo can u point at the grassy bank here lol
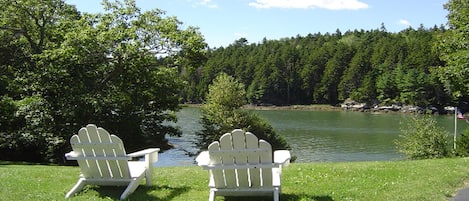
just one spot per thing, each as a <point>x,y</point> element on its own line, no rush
<point>430,180</point>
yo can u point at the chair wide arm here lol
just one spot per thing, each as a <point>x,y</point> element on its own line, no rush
<point>71,155</point>
<point>203,159</point>
<point>143,152</point>
<point>151,155</point>
<point>282,157</point>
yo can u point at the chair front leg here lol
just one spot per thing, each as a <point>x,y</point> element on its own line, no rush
<point>212,196</point>
<point>77,188</point>
<point>150,159</point>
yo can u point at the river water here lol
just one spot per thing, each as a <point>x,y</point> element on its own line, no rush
<point>314,136</point>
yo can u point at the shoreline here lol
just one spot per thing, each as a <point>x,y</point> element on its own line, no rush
<point>275,107</point>
<point>294,107</point>
<point>322,107</point>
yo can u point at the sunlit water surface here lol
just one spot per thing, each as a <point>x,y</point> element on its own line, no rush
<point>314,136</point>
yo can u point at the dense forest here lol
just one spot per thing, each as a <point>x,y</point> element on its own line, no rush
<point>369,66</point>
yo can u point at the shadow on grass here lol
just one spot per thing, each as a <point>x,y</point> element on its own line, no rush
<point>25,163</point>
<point>142,192</point>
<point>283,197</point>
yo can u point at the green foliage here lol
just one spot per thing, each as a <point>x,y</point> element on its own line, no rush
<point>354,74</point>
<point>462,143</point>
<point>35,140</point>
<point>255,93</point>
<point>225,94</point>
<point>386,88</point>
<point>222,113</point>
<point>117,69</point>
<point>452,47</point>
<point>422,138</point>
<point>39,28</point>
<point>261,128</point>
<point>371,66</point>
<point>7,112</point>
<point>413,87</point>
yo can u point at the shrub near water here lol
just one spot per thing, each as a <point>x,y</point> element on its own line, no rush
<point>462,143</point>
<point>222,113</point>
<point>421,138</point>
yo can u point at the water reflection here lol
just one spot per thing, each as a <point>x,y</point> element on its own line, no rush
<point>313,135</point>
<point>188,121</point>
<point>337,136</point>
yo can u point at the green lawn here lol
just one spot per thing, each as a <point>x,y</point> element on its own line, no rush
<point>421,180</point>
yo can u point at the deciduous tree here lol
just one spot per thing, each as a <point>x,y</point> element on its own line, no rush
<point>222,113</point>
<point>105,68</point>
<point>453,47</point>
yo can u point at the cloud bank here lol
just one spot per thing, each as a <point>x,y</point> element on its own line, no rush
<point>305,4</point>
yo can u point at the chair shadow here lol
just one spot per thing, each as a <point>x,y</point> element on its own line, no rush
<point>282,197</point>
<point>142,192</point>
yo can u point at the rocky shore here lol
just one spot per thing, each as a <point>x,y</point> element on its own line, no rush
<point>362,107</point>
<point>358,107</point>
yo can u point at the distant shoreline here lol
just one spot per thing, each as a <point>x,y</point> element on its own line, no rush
<point>318,107</point>
<point>275,107</point>
<point>294,107</point>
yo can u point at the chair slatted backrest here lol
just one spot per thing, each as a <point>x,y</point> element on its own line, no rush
<point>100,155</point>
<point>248,161</point>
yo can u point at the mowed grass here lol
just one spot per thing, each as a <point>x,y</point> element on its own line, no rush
<point>420,180</point>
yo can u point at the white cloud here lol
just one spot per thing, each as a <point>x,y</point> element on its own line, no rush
<point>404,22</point>
<point>325,4</point>
<point>207,3</point>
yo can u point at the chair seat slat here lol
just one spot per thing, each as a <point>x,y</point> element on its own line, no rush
<point>98,158</point>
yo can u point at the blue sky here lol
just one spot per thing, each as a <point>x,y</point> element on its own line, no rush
<point>224,21</point>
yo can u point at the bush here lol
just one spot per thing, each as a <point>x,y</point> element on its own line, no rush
<point>31,137</point>
<point>462,143</point>
<point>421,138</point>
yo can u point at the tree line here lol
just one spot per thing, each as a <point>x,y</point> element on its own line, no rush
<point>369,66</point>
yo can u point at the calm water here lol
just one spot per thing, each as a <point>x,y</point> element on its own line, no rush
<point>314,136</point>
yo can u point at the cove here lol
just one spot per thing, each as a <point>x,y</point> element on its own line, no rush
<point>314,136</point>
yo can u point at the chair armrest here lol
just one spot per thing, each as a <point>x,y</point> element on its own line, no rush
<point>282,157</point>
<point>71,155</point>
<point>143,152</point>
<point>151,157</point>
<point>203,159</point>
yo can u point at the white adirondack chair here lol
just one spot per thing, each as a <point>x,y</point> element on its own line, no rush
<point>103,161</point>
<point>241,165</point>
